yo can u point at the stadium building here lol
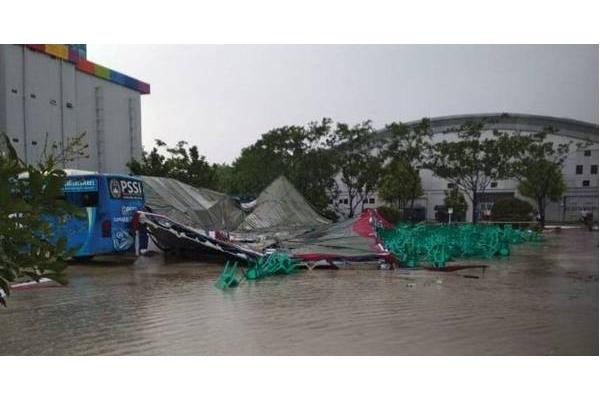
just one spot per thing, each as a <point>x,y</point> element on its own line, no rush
<point>580,169</point>
<point>50,93</point>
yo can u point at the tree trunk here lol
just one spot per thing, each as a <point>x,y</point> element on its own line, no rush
<point>475,202</point>
<point>542,211</point>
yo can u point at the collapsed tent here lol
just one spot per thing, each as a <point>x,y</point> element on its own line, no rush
<point>281,207</point>
<point>352,240</point>
<point>182,217</point>
<point>195,207</point>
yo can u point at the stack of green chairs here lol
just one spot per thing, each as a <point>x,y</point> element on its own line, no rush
<point>273,264</point>
<point>438,244</point>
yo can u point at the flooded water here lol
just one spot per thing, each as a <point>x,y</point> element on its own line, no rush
<point>541,300</point>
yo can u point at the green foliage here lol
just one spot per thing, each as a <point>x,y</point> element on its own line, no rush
<point>511,209</point>
<point>300,153</point>
<point>456,200</point>
<point>357,163</point>
<point>184,163</point>
<point>408,143</point>
<point>27,249</point>
<point>390,214</point>
<point>400,184</point>
<point>537,165</point>
<point>542,181</point>
<point>473,162</point>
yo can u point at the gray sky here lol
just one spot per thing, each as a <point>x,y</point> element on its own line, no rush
<point>223,97</point>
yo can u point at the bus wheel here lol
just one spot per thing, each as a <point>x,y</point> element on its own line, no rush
<point>83,258</point>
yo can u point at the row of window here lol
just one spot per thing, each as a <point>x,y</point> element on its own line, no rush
<point>52,101</point>
<point>593,169</point>
<point>345,201</point>
<point>492,185</point>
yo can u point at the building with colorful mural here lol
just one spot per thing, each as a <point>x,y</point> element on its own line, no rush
<point>50,93</point>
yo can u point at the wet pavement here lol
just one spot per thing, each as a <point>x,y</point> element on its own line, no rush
<point>542,300</point>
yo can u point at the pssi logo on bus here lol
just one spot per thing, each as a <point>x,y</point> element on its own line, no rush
<point>125,189</point>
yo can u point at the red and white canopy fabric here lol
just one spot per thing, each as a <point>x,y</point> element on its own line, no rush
<point>353,240</point>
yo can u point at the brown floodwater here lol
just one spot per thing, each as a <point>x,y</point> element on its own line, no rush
<point>543,299</point>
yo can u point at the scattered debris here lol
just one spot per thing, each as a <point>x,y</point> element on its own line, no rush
<point>272,264</point>
<point>230,277</point>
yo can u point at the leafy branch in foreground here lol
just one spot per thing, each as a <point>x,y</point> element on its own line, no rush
<point>29,196</point>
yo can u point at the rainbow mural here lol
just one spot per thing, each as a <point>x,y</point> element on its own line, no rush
<point>77,53</point>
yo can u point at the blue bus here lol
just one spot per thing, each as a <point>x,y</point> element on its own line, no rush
<point>110,203</point>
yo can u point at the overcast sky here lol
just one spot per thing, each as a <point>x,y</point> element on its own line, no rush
<point>222,98</point>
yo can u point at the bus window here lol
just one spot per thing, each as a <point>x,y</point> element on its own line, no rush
<point>82,199</point>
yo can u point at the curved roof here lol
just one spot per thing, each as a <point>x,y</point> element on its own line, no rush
<point>514,121</point>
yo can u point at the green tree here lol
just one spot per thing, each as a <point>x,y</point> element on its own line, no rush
<point>400,184</point>
<point>29,194</point>
<point>472,162</point>
<point>537,164</point>
<point>300,153</point>
<point>358,161</point>
<point>152,164</point>
<point>404,152</point>
<point>408,143</point>
<point>455,200</point>
<point>225,178</point>
<point>184,163</point>
<point>542,181</point>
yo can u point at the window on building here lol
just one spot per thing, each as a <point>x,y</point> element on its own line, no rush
<point>494,184</point>
<point>69,104</point>
<point>16,140</point>
<point>594,169</point>
<point>345,201</point>
<point>579,169</point>
<point>587,153</point>
<point>451,186</point>
<point>53,102</point>
<point>365,201</point>
<point>371,200</point>
<point>32,95</point>
<point>15,91</point>
<point>586,183</point>
<point>33,142</point>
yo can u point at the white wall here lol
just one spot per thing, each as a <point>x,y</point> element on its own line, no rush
<point>54,102</point>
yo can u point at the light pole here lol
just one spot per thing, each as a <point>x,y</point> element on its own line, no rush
<point>450,211</point>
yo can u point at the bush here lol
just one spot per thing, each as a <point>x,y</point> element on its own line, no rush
<point>392,215</point>
<point>512,209</point>
<point>329,214</point>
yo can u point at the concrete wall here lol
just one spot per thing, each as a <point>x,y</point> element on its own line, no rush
<point>45,101</point>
